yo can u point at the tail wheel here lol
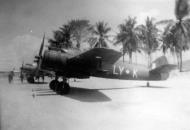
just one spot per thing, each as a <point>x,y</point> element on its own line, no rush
<point>53,84</point>
<point>30,79</point>
<point>63,88</point>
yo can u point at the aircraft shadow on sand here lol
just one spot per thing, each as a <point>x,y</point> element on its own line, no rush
<point>87,95</point>
<point>80,94</point>
<point>95,95</point>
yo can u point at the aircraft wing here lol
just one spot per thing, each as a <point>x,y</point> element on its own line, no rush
<point>96,59</point>
<point>106,55</point>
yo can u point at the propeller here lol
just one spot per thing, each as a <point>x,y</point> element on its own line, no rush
<point>42,46</point>
<point>38,59</point>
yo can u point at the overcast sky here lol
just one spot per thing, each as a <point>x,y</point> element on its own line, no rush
<point>23,22</point>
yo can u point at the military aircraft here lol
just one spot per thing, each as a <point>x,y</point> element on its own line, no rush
<point>98,62</point>
<point>32,71</point>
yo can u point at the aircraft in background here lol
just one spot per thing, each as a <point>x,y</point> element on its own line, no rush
<point>97,62</point>
<point>29,71</point>
<point>32,72</point>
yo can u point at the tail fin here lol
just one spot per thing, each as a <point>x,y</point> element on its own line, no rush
<point>160,66</point>
<point>159,62</point>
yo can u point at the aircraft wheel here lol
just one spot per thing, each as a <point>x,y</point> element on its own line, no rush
<point>63,88</point>
<point>30,79</point>
<point>53,84</point>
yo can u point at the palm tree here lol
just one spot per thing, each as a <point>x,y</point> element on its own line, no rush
<point>149,36</point>
<point>61,38</point>
<point>127,36</point>
<point>100,35</point>
<point>79,30</point>
<point>177,33</point>
<point>56,40</point>
<point>66,31</point>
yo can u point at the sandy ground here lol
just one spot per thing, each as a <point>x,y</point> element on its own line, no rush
<point>98,104</point>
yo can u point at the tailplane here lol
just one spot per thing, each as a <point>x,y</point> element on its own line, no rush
<point>159,62</point>
<point>160,66</point>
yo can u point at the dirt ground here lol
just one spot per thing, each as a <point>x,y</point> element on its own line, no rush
<point>97,104</point>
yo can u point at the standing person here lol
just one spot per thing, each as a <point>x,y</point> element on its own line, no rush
<point>10,77</point>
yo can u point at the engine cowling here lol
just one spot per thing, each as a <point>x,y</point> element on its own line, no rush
<point>54,60</point>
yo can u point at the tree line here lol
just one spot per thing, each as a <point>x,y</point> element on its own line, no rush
<point>133,38</point>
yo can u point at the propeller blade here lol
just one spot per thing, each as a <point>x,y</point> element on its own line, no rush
<point>39,58</point>
<point>42,46</point>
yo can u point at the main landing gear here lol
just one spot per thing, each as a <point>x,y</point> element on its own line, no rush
<point>30,79</point>
<point>60,87</point>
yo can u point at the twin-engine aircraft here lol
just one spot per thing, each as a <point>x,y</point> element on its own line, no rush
<point>31,73</point>
<point>97,62</point>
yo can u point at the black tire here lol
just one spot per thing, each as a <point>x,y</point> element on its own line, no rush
<point>53,84</point>
<point>30,80</point>
<point>63,88</point>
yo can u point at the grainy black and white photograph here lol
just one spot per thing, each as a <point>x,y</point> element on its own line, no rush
<point>94,64</point>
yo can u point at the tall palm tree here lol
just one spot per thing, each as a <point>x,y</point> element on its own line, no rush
<point>61,38</point>
<point>79,30</point>
<point>127,36</point>
<point>66,31</point>
<point>56,40</point>
<point>100,35</point>
<point>176,35</point>
<point>149,36</point>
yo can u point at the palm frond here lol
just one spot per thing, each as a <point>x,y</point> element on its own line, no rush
<point>181,9</point>
<point>163,22</point>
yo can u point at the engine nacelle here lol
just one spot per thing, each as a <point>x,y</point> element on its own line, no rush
<point>54,60</point>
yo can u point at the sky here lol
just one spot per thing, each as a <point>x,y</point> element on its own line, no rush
<point>23,22</point>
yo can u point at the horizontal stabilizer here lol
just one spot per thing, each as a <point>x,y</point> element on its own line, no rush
<point>159,62</point>
<point>164,68</point>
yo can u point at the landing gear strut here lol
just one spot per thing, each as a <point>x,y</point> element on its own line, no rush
<point>60,87</point>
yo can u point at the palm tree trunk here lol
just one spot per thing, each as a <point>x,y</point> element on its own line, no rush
<point>180,61</point>
<point>123,57</point>
<point>136,57</point>
<point>149,60</point>
<point>130,57</point>
<point>123,52</point>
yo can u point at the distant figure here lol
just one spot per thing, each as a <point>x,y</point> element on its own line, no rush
<point>10,76</point>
